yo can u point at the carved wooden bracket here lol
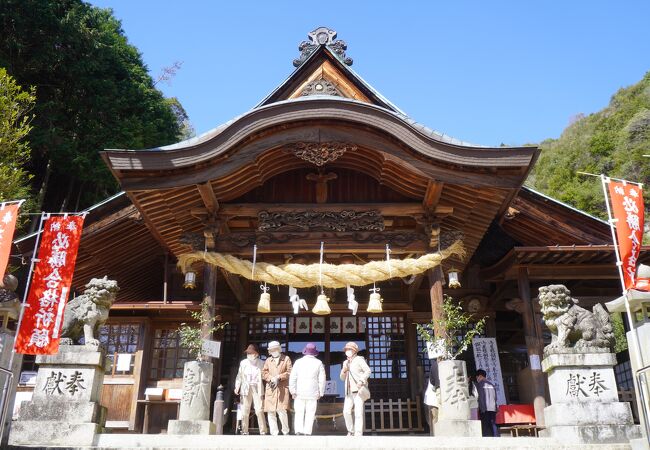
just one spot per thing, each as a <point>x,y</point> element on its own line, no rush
<point>320,221</point>
<point>320,153</point>
<point>320,87</point>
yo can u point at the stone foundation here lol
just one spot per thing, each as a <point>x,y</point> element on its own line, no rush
<point>467,428</point>
<point>584,400</point>
<point>65,407</point>
<point>191,427</point>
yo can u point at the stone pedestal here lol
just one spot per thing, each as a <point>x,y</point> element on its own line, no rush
<point>8,358</point>
<point>584,399</point>
<point>65,407</point>
<point>454,413</point>
<point>194,414</point>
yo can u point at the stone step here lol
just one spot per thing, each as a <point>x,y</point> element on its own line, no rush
<point>230,442</point>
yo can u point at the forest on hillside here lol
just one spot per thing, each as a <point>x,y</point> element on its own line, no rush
<point>612,141</point>
<point>71,86</point>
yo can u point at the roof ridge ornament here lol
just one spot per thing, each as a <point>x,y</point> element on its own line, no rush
<point>322,36</point>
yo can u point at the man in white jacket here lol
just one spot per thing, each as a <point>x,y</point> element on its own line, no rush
<point>355,372</point>
<point>248,385</point>
<point>307,385</point>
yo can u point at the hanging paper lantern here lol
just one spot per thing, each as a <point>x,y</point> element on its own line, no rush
<point>322,306</point>
<point>374,304</point>
<point>190,280</point>
<point>264,305</point>
<point>454,281</point>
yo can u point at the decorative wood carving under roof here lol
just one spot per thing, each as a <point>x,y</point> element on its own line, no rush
<point>320,87</point>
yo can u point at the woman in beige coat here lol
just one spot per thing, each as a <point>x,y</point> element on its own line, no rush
<point>276,371</point>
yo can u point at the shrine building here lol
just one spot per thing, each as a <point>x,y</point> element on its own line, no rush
<point>326,158</point>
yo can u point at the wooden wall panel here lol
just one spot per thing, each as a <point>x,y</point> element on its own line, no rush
<point>117,398</point>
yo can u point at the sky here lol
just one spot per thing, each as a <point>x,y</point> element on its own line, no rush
<point>511,72</point>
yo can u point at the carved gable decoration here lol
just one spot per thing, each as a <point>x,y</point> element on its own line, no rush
<point>320,153</point>
<point>341,221</point>
<point>322,36</point>
<point>320,87</point>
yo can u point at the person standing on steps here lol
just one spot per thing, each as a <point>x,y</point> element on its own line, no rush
<point>307,385</point>
<point>249,386</point>
<point>355,373</point>
<point>275,373</point>
<point>432,396</point>
<point>487,404</point>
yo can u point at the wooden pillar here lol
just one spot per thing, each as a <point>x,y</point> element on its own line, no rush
<point>209,295</point>
<point>532,345</point>
<point>143,359</point>
<point>412,357</point>
<point>435,282</point>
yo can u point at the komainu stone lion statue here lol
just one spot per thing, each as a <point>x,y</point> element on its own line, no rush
<point>572,326</point>
<point>86,313</point>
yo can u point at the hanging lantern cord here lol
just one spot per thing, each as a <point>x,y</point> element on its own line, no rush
<point>320,269</point>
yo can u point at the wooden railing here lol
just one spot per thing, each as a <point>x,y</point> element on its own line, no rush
<point>392,416</point>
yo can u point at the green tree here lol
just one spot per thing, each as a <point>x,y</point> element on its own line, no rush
<point>453,333</point>
<point>93,92</point>
<point>612,141</point>
<point>15,118</point>
<point>192,335</point>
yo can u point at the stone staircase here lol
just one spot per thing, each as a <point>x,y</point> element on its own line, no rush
<point>162,441</point>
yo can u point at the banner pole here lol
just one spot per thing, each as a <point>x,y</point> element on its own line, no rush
<point>44,216</point>
<point>619,264</point>
<point>11,202</point>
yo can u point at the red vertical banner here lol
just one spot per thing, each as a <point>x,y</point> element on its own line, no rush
<point>627,208</point>
<point>40,328</point>
<point>8,216</point>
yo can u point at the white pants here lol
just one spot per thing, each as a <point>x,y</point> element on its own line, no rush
<point>252,397</point>
<point>273,421</point>
<point>304,411</point>
<point>354,425</point>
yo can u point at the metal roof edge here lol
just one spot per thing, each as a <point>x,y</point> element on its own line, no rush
<point>566,205</point>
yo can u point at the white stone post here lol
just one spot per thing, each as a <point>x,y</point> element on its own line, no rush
<point>454,416</point>
<point>194,415</point>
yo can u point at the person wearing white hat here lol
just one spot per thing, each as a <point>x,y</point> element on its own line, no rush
<point>276,372</point>
<point>355,373</point>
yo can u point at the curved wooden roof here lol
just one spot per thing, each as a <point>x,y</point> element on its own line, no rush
<point>254,141</point>
<point>200,185</point>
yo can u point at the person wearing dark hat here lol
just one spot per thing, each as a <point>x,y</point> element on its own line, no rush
<point>276,371</point>
<point>248,385</point>
<point>307,385</point>
<point>355,373</point>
